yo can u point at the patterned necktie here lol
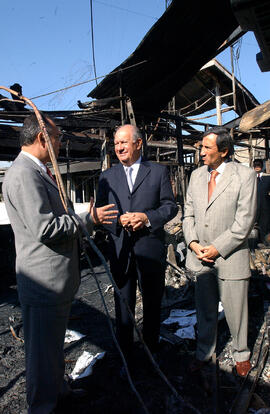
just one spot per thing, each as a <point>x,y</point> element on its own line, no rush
<point>129,178</point>
<point>212,183</point>
<point>50,174</point>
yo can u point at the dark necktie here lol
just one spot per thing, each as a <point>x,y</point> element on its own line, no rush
<point>212,183</point>
<point>50,174</point>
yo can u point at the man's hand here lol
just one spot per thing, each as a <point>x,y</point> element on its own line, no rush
<point>197,248</point>
<point>102,215</point>
<point>210,253</point>
<point>204,253</point>
<point>133,221</point>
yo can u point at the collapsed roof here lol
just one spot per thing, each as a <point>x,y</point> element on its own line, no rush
<point>173,51</point>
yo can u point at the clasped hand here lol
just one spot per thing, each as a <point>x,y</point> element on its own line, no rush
<point>102,215</point>
<point>133,221</point>
<point>204,253</point>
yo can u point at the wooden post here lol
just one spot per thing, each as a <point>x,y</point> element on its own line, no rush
<point>250,150</point>
<point>122,106</point>
<point>68,169</point>
<point>267,135</point>
<point>233,80</point>
<point>180,157</point>
<point>104,157</point>
<point>218,105</point>
<point>231,134</point>
<point>144,146</point>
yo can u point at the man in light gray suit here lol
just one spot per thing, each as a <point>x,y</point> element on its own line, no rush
<point>47,262</point>
<point>219,215</point>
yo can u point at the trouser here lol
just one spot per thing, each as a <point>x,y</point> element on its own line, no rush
<point>209,290</point>
<point>151,279</point>
<point>44,333</point>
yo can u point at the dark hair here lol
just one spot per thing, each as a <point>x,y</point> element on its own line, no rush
<point>224,140</point>
<point>258,162</point>
<point>31,129</point>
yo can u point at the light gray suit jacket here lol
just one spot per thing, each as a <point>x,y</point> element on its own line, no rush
<point>225,221</point>
<point>46,238</point>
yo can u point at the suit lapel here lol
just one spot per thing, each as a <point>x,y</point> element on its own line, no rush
<point>48,178</point>
<point>203,187</point>
<point>121,177</point>
<point>144,170</point>
<point>33,165</point>
<point>224,181</point>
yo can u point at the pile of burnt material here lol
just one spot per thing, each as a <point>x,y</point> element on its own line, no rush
<point>7,256</point>
<point>260,261</point>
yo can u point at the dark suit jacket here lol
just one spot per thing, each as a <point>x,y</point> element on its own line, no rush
<point>263,200</point>
<point>263,205</point>
<point>152,195</point>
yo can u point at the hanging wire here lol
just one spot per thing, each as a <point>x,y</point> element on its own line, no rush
<point>89,80</point>
<point>82,230</point>
<point>127,10</point>
<point>92,37</point>
<point>236,47</point>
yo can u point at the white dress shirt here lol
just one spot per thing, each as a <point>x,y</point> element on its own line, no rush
<point>135,169</point>
<point>36,160</point>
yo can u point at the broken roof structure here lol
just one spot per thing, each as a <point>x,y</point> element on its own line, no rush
<point>166,64</point>
<point>185,38</point>
<point>198,95</point>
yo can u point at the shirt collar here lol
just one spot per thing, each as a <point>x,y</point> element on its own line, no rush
<point>35,159</point>
<point>220,169</point>
<point>136,164</point>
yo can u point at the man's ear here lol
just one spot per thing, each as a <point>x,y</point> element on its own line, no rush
<point>41,140</point>
<point>139,143</point>
<point>224,153</point>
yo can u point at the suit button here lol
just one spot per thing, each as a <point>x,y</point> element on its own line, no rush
<point>206,225</point>
<point>129,197</point>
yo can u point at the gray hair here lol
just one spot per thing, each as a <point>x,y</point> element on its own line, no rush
<point>136,133</point>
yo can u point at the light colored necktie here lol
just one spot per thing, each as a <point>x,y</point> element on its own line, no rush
<point>212,183</point>
<point>129,178</point>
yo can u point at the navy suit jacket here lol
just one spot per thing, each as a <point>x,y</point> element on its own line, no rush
<point>152,195</point>
<point>263,200</point>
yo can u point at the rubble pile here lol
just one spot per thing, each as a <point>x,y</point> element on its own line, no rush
<point>261,261</point>
<point>107,392</point>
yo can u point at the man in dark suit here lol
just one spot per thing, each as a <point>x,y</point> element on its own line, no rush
<point>142,192</point>
<point>263,201</point>
<point>47,262</point>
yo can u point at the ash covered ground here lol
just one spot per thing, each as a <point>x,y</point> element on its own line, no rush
<point>107,391</point>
